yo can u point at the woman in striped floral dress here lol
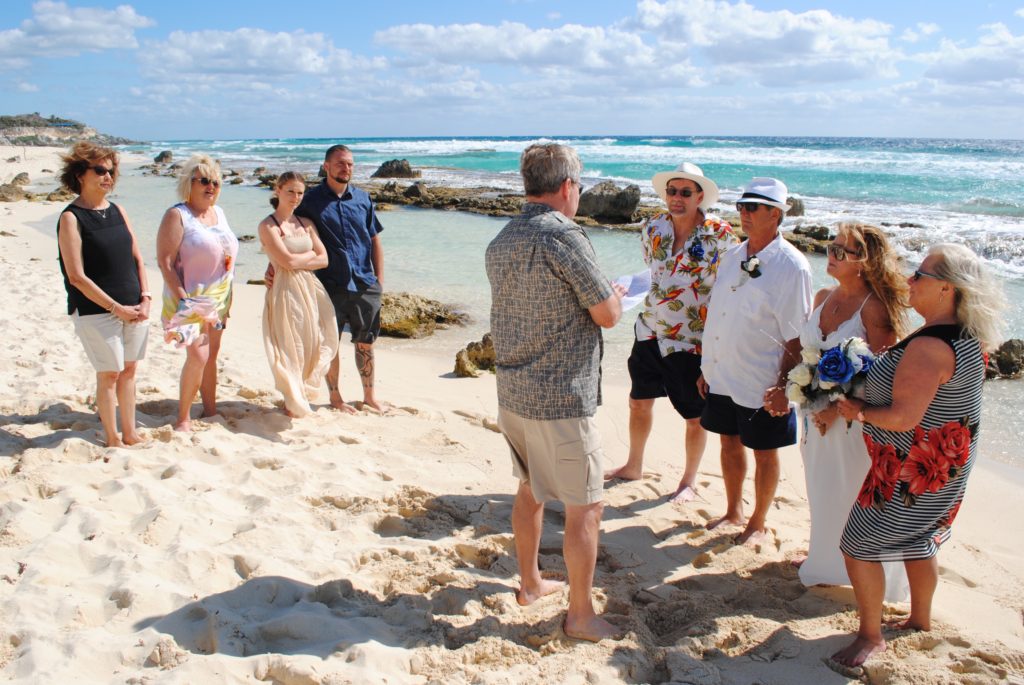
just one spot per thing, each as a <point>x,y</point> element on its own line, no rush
<point>921,417</point>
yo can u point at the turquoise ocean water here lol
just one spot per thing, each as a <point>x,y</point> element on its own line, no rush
<point>922,191</point>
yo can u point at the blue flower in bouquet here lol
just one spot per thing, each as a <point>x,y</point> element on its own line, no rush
<point>866,363</point>
<point>696,250</point>
<point>835,368</point>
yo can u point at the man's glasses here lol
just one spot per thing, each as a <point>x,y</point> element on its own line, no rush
<point>685,192</point>
<point>101,170</point>
<point>916,276</point>
<point>749,207</point>
<point>208,181</point>
<point>841,253</point>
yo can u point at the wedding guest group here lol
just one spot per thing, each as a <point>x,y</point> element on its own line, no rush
<point>682,248</point>
<point>723,325</point>
<point>347,225</point>
<point>107,289</point>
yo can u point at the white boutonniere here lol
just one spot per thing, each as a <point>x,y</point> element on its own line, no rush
<point>750,268</point>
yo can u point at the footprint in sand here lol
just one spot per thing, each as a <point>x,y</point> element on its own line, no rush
<point>948,574</point>
<point>479,419</point>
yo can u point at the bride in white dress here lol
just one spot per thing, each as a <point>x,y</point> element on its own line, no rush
<point>867,303</point>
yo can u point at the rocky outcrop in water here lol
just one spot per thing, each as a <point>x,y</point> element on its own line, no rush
<point>1007,361</point>
<point>476,357</point>
<point>607,202</point>
<point>404,315</point>
<point>395,168</point>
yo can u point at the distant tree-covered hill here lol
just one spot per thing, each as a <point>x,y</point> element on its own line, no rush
<point>35,129</point>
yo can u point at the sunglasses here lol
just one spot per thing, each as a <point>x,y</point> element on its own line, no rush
<point>841,253</point>
<point>750,207</point>
<point>207,181</point>
<point>685,192</point>
<point>100,170</point>
<point>916,276</point>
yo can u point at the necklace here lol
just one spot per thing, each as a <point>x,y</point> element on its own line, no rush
<point>102,212</point>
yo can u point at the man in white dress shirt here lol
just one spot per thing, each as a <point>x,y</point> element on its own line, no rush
<point>751,340</point>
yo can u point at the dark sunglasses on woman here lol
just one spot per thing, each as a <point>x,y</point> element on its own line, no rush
<point>840,253</point>
<point>208,181</point>
<point>101,170</point>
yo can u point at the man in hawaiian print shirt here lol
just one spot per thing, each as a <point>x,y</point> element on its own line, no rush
<point>682,249</point>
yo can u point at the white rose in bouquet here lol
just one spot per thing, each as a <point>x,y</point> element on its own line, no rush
<point>802,374</point>
<point>810,355</point>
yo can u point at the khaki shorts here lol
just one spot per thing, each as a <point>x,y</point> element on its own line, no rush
<point>110,342</point>
<point>560,459</point>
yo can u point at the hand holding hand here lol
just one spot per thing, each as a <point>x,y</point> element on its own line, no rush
<point>268,275</point>
<point>775,401</point>
<point>824,419</point>
<point>702,386</point>
<point>849,408</point>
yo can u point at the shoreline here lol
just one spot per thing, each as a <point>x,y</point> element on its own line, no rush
<point>367,548</point>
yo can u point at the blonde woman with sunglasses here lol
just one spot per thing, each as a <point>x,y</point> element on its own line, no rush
<point>196,252</point>
<point>868,302</point>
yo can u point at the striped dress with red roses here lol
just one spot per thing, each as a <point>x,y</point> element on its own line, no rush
<point>917,478</point>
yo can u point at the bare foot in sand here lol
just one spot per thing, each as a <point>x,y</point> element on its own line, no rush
<point>858,651</point>
<point>378,406</point>
<point>593,629</point>
<point>527,596</point>
<point>905,624</point>
<point>751,537</point>
<point>624,473</point>
<point>725,520</point>
<point>683,494</point>
<point>132,439</point>
<point>340,405</point>
<point>798,561</point>
<point>114,442</point>
<point>209,414</point>
<point>183,426</point>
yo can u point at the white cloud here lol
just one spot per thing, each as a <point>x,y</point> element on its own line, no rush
<point>997,58</point>
<point>1020,12</point>
<point>593,48</point>
<point>923,29</point>
<point>249,52</point>
<point>57,30</point>
<point>775,48</point>
<point>25,87</point>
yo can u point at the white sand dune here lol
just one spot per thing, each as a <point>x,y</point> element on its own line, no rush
<point>370,549</point>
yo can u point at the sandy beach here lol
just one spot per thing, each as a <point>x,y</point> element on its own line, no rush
<point>370,549</point>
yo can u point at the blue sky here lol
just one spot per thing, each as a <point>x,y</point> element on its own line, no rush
<point>187,69</point>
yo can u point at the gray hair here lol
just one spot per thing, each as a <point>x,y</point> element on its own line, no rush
<point>546,167</point>
<point>980,301</point>
<point>205,165</point>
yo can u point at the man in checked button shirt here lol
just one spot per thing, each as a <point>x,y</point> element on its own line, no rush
<point>549,303</point>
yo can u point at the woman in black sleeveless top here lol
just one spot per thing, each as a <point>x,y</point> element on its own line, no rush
<point>921,415</point>
<point>108,296</point>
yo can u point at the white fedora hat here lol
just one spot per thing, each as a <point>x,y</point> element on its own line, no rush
<point>767,191</point>
<point>690,172</point>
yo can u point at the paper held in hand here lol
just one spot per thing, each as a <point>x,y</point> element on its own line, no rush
<point>637,286</point>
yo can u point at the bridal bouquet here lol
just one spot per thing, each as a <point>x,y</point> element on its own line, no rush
<point>824,376</point>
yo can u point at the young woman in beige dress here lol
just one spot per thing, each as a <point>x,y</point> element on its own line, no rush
<point>300,332</point>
